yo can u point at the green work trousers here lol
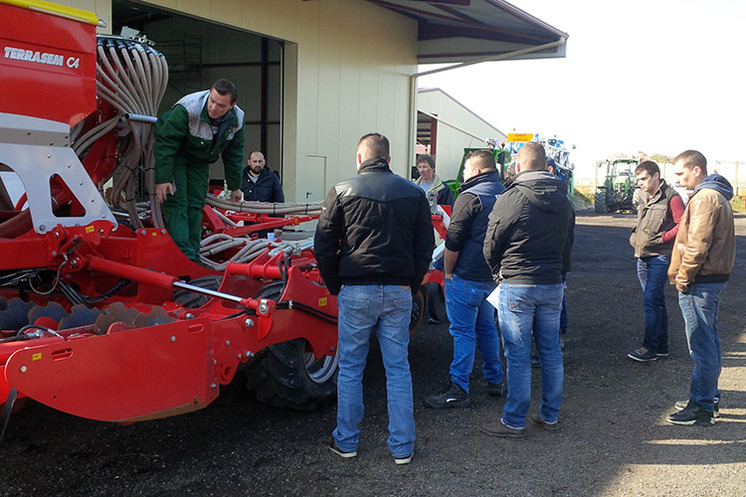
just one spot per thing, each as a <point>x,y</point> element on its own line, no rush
<point>183,209</point>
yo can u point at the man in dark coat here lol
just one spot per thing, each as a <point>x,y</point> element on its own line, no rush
<point>258,183</point>
<point>373,246</point>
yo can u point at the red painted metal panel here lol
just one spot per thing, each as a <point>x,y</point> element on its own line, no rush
<point>125,376</point>
<point>47,65</point>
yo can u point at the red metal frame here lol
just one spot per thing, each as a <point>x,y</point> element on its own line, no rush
<point>128,373</point>
<point>48,69</point>
<point>123,371</point>
<point>167,363</point>
<point>256,222</point>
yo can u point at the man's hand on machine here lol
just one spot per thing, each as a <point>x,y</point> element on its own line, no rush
<point>163,189</point>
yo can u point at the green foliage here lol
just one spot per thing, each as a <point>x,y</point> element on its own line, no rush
<point>657,158</point>
<point>661,159</point>
<point>738,203</point>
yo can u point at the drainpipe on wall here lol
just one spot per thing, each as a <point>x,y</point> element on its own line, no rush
<point>413,86</point>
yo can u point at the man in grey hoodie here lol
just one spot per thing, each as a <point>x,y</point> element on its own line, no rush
<point>527,248</point>
<point>703,256</point>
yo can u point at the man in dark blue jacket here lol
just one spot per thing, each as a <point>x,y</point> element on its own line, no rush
<point>468,282</point>
<point>373,246</point>
<point>258,183</point>
<point>527,247</point>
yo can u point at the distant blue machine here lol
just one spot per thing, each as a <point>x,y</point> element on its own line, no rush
<point>558,153</point>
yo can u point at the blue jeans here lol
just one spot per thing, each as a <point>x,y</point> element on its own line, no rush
<point>521,309</point>
<point>472,319</point>
<point>651,271</point>
<point>700,308</point>
<point>363,308</point>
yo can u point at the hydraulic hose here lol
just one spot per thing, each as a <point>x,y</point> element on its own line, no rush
<point>287,208</point>
<point>132,77</point>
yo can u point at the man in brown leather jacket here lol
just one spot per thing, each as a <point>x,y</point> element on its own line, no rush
<point>657,224</point>
<point>702,259</point>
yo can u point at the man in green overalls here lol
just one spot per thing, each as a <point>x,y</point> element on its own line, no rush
<point>199,129</point>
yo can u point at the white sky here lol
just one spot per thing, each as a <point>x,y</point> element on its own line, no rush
<point>660,76</point>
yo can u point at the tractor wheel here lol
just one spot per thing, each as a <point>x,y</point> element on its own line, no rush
<point>418,311</point>
<point>600,203</point>
<point>288,375</point>
<point>192,300</point>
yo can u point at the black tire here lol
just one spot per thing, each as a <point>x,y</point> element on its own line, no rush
<point>192,300</point>
<point>287,374</point>
<point>419,307</point>
<point>600,203</point>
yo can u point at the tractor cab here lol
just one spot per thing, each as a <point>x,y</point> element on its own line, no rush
<point>618,191</point>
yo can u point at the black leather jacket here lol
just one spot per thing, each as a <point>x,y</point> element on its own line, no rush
<point>374,229</point>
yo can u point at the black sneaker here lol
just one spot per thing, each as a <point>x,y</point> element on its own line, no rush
<point>642,355</point>
<point>341,453</point>
<point>406,459</point>
<point>454,397</point>
<point>681,405</point>
<point>495,389</point>
<point>692,414</point>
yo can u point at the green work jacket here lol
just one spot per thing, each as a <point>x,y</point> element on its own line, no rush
<point>184,134</point>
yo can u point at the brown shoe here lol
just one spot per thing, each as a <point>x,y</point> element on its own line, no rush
<point>498,429</point>
<point>544,425</point>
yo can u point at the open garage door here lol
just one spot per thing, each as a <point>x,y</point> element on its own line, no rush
<point>200,52</point>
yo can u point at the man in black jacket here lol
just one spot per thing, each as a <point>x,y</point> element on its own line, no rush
<point>468,282</point>
<point>527,247</point>
<point>373,246</point>
<point>259,184</point>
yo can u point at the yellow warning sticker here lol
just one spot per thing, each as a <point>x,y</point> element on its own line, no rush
<point>90,229</point>
<point>322,302</point>
<point>36,356</point>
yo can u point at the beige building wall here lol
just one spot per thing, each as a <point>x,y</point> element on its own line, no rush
<point>458,128</point>
<point>102,8</point>
<point>347,72</point>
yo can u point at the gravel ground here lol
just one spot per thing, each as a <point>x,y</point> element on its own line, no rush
<point>614,439</point>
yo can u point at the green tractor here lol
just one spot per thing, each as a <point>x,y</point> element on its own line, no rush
<point>619,190</point>
<point>502,158</point>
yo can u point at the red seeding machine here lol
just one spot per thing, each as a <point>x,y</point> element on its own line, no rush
<point>101,316</point>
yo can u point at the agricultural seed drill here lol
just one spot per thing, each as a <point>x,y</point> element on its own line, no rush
<point>101,316</point>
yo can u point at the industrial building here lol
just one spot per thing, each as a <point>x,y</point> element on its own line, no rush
<point>315,75</point>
